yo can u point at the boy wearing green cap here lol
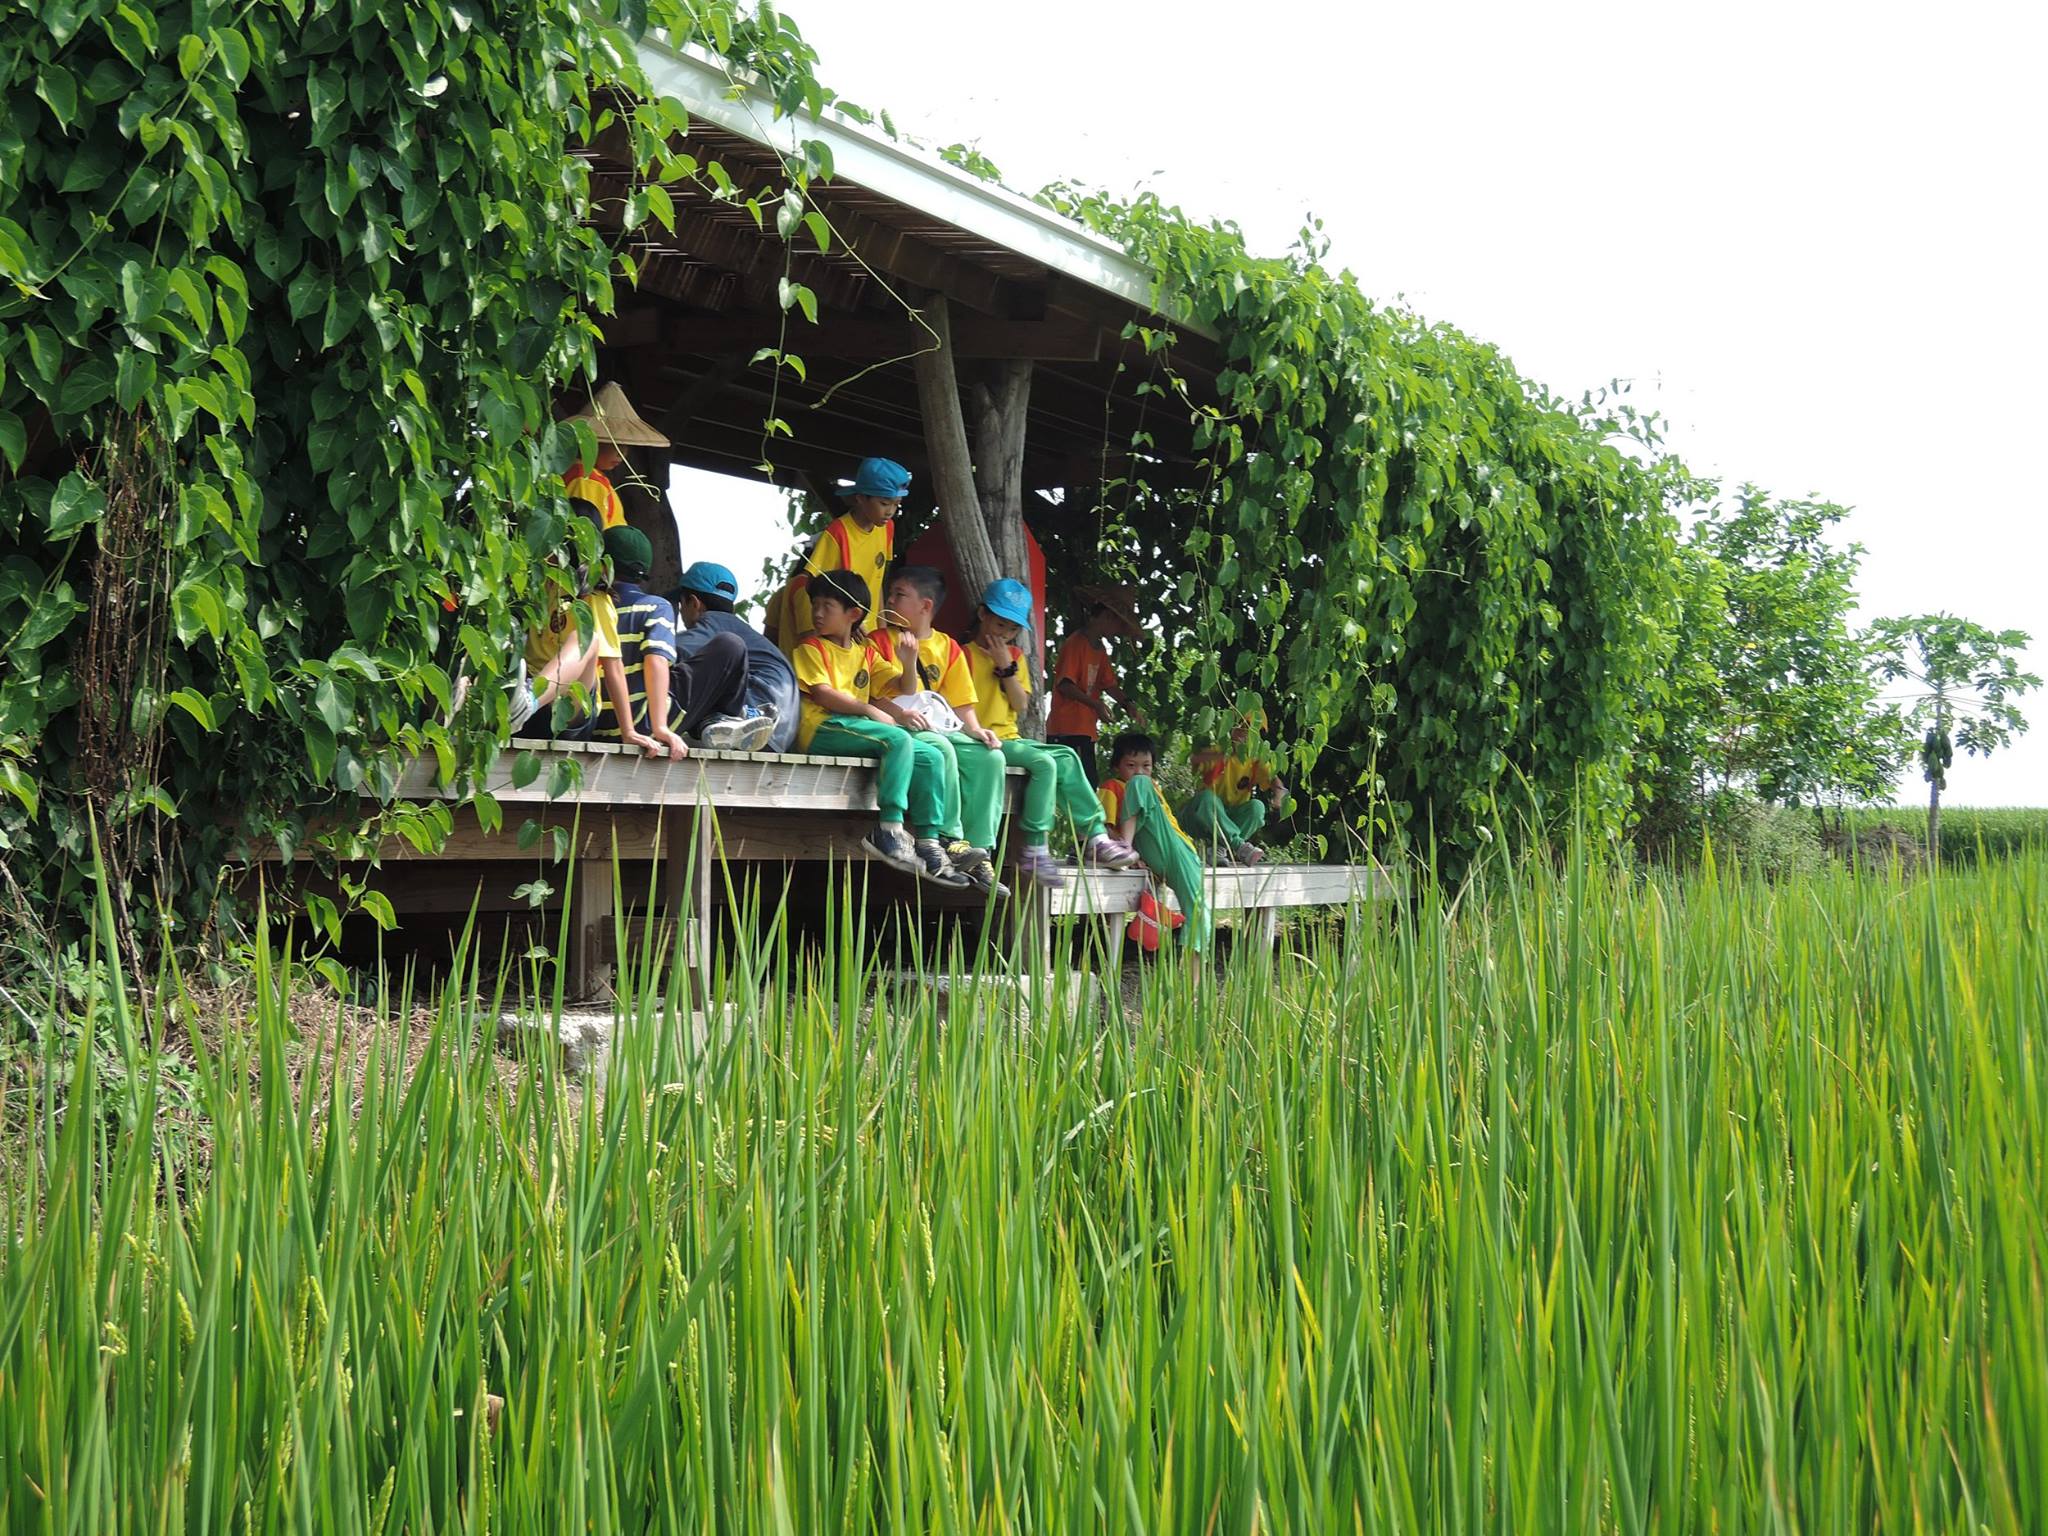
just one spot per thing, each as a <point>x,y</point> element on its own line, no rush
<point>1053,777</point>
<point>862,539</point>
<point>661,696</point>
<point>840,671</point>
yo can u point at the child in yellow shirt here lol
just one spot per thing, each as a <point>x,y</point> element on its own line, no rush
<point>934,679</point>
<point>1053,775</point>
<point>839,673</point>
<point>1238,788</point>
<point>862,540</point>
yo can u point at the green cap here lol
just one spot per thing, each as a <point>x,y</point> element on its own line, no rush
<point>630,551</point>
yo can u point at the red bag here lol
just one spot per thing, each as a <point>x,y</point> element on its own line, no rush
<point>1143,929</point>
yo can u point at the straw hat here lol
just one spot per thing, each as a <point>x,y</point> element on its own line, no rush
<point>1120,601</point>
<point>613,419</point>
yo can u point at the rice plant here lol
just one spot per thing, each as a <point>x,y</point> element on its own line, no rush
<point>1576,1200</point>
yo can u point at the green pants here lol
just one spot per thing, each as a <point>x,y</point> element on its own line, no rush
<point>1209,821</point>
<point>1053,780</point>
<point>1170,856</point>
<point>975,773</point>
<point>910,782</point>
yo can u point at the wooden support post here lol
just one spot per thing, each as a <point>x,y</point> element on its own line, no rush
<point>590,930</point>
<point>701,939</point>
<point>980,494</point>
<point>945,441</point>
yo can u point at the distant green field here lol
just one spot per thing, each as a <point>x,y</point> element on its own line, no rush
<point>1593,1201</point>
<point>1995,830</point>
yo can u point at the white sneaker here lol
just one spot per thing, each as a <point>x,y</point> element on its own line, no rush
<point>754,733</point>
<point>523,702</point>
<point>726,733</point>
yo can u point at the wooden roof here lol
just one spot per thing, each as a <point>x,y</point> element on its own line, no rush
<point>1021,282</point>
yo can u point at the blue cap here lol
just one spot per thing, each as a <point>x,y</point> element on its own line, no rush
<point>879,477</point>
<point>1008,598</point>
<point>707,578</point>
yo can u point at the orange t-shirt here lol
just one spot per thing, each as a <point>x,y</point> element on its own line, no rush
<point>1084,663</point>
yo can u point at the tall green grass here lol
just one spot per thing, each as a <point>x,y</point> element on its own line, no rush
<point>1580,1201</point>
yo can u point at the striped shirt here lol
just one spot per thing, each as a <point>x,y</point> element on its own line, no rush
<point>647,627</point>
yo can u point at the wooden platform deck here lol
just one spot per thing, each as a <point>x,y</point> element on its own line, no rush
<point>691,822</point>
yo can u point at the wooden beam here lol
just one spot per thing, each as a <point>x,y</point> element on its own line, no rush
<point>867,339</point>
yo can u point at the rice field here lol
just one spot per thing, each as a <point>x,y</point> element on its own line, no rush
<point>1582,1201</point>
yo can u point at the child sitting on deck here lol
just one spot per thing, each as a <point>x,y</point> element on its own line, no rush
<point>1136,815</point>
<point>559,663</point>
<point>935,682</point>
<point>839,672</point>
<point>704,596</point>
<point>1238,788</point>
<point>1053,776</point>
<point>670,695</point>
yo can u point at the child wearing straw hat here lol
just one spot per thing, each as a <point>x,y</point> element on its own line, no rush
<point>1053,779</point>
<point>862,539</point>
<point>617,426</point>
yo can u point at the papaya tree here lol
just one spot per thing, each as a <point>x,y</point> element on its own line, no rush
<point>1964,682</point>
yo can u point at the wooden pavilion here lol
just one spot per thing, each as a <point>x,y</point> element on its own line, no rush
<point>976,337</point>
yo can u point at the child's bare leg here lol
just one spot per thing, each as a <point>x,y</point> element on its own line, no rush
<point>574,666</point>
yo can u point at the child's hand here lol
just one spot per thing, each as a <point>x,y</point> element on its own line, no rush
<point>906,653</point>
<point>916,720</point>
<point>986,737</point>
<point>678,749</point>
<point>993,648</point>
<point>647,744</point>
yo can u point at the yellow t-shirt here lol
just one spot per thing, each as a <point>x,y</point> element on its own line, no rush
<point>843,546</point>
<point>990,702</point>
<point>861,670</point>
<point>595,487</point>
<point>1111,794</point>
<point>543,645</point>
<point>942,669</point>
<point>1237,779</point>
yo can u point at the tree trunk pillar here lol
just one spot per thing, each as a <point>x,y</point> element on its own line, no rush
<point>980,494</point>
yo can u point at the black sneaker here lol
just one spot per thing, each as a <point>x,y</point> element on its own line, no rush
<point>936,867</point>
<point>976,865</point>
<point>892,845</point>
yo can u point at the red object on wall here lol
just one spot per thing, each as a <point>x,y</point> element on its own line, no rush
<point>956,614</point>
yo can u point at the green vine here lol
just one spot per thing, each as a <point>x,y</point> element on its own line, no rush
<point>1451,588</point>
<point>329,268</point>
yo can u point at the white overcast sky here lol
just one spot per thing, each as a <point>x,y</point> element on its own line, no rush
<point>1810,234</point>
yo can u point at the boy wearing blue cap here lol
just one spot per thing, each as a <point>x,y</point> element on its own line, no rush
<point>662,696</point>
<point>704,597</point>
<point>1053,779</point>
<point>862,539</point>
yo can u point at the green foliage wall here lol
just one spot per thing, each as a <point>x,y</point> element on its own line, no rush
<point>287,292</point>
<point>1451,587</point>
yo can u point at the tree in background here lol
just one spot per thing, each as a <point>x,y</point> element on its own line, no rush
<point>1964,682</point>
<point>1771,690</point>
